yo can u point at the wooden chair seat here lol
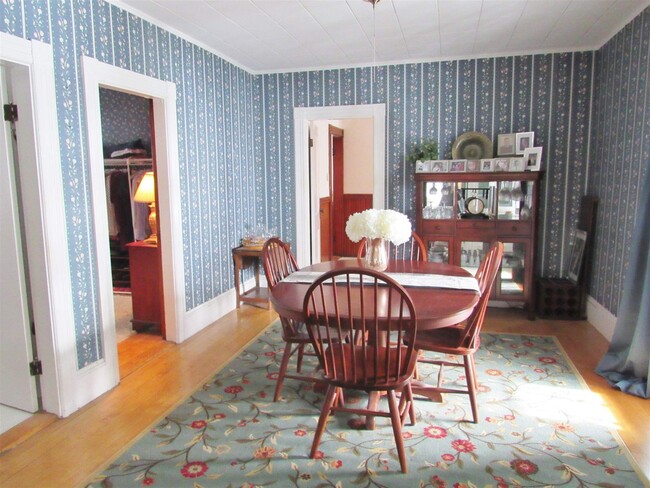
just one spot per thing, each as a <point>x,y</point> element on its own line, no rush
<point>462,339</point>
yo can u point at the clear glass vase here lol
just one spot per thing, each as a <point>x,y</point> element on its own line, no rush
<point>377,253</point>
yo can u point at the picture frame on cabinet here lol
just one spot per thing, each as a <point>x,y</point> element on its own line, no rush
<point>533,158</point>
<point>517,164</point>
<point>577,252</point>
<point>473,166</point>
<point>523,141</point>
<point>438,166</point>
<point>457,165</point>
<point>487,165</point>
<point>421,166</point>
<point>506,144</point>
<point>501,164</point>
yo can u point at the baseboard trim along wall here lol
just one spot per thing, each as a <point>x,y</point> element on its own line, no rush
<point>602,319</point>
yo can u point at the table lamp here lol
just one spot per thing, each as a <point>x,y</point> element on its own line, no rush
<point>146,193</point>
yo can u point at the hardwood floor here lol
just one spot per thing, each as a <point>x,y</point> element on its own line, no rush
<point>65,452</point>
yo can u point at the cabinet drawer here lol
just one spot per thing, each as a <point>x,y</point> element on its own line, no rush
<point>514,228</point>
<point>438,227</point>
<point>479,225</point>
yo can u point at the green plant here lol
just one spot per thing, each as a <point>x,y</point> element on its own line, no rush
<point>424,151</point>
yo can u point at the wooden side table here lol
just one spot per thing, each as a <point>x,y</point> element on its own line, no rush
<point>146,288</point>
<point>243,257</point>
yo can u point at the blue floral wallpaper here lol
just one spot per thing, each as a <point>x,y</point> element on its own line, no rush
<point>216,106</point>
<point>620,152</point>
<point>548,94</point>
<point>125,118</point>
<point>236,134</point>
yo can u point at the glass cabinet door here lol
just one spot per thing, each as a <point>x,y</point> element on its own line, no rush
<point>513,269</point>
<point>471,254</point>
<point>476,200</point>
<point>438,200</point>
<point>515,200</point>
<point>438,250</point>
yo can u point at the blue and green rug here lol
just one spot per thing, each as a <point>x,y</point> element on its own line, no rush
<point>539,426</point>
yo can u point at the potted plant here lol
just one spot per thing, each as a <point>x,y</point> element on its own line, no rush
<point>425,151</point>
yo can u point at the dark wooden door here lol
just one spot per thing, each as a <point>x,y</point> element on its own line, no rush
<point>336,177</point>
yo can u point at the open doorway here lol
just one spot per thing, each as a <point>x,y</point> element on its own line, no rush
<point>129,168</point>
<point>312,176</point>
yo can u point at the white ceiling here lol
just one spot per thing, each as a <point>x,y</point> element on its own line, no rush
<point>289,35</point>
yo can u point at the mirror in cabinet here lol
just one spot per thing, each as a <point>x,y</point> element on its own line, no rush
<point>475,199</point>
<point>438,200</point>
<point>515,200</point>
<point>512,276</point>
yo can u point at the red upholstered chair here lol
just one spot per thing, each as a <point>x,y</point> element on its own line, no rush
<point>278,263</point>
<point>365,327</point>
<point>463,340</point>
<point>412,250</point>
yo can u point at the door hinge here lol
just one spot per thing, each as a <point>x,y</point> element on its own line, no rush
<point>11,112</point>
<point>36,367</point>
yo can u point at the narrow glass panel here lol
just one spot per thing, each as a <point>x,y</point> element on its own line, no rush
<point>438,251</point>
<point>513,268</point>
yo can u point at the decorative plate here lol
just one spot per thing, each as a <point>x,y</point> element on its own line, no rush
<point>472,145</point>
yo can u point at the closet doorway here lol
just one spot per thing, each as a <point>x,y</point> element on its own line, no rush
<point>130,170</point>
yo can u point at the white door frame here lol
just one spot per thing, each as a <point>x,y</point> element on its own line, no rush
<point>46,237</point>
<point>302,116</point>
<point>163,94</point>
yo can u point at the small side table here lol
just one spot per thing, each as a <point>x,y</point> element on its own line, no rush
<point>146,291</point>
<point>243,257</point>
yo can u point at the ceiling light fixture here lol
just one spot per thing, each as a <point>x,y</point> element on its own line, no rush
<point>374,50</point>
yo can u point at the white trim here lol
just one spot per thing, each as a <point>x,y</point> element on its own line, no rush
<point>602,319</point>
<point>47,240</point>
<point>104,375</point>
<point>302,116</point>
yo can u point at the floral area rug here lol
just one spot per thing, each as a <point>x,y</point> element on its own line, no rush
<point>538,426</point>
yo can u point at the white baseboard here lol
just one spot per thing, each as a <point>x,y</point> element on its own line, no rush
<point>602,319</point>
<point>207,313</point>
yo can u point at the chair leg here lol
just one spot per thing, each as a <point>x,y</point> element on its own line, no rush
<point>473,363</point>
<point>283,370</point>
<point>397,429</point>
<point>301,353</point>
<point>330,398</point>
<point>471,385</point>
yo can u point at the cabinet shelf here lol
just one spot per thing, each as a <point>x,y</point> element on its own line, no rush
<point>460,214</point>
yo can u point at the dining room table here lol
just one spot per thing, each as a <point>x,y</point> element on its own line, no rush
<point>443,295</point>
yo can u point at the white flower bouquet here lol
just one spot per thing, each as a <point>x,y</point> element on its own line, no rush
<point>383,224</point>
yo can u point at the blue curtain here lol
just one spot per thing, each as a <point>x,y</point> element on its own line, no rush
<point>627,363</point>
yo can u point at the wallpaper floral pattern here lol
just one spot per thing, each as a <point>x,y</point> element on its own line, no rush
<point>620,152</point>
<point>548,94</point>
<point>236,136</point>
<point>125,118</point>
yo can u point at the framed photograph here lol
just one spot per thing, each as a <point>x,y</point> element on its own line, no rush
<point>505,144</point>
<point>523,141</point>
<point>473,166</point>
<point>421,166</point>
<point>438,166</point>
<point>487,164</point>
<point>457,165</point>
<point>577,253</point>
<point>501,164</point>
<point>533,158</point>
<point>517,164</point>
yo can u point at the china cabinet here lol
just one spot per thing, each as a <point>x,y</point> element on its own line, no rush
<point>460,214</point>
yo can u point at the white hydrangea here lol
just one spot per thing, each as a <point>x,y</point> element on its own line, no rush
<point>386,224</point>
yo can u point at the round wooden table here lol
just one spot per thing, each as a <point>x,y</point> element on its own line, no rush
<point>435,307</point>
